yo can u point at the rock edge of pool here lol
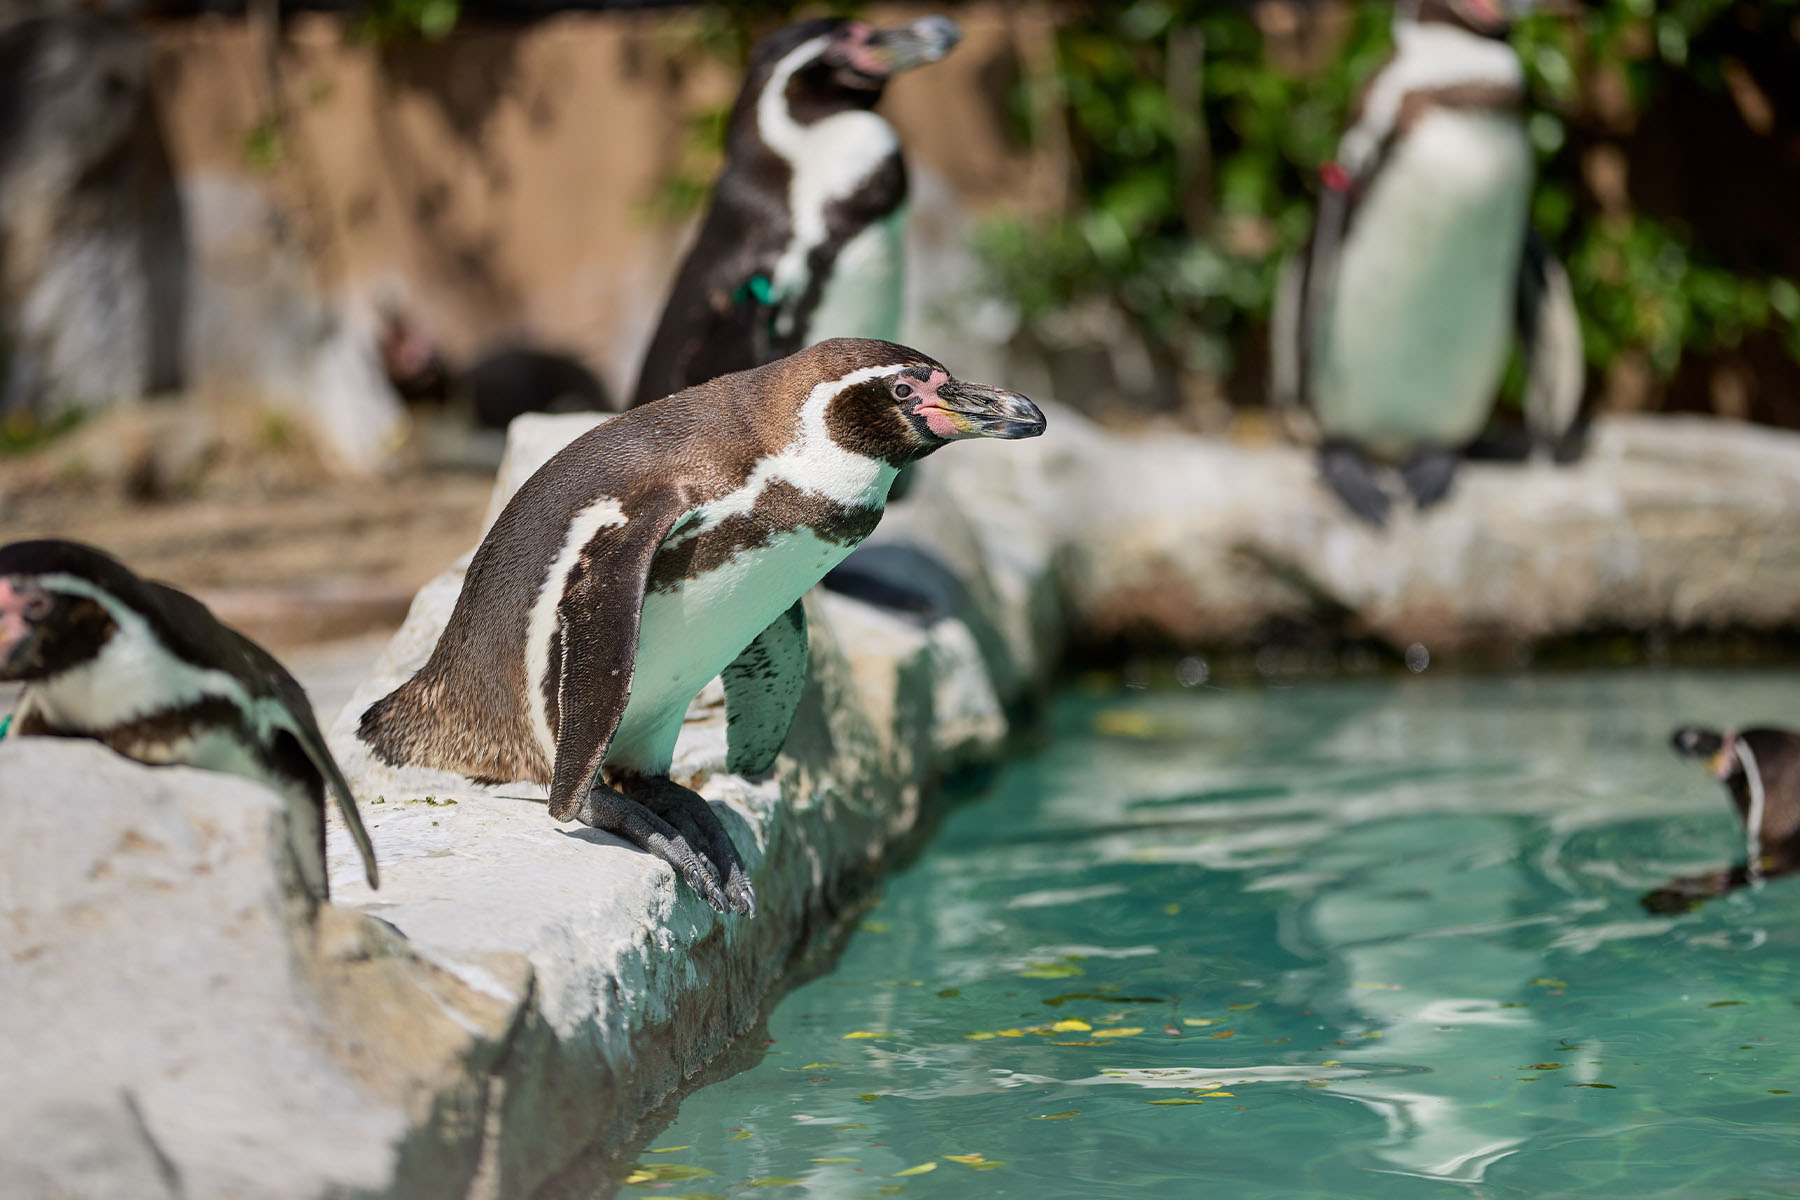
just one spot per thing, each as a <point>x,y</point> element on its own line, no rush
<point>519,993</point>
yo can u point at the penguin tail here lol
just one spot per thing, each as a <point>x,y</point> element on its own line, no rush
<point>390,727</point>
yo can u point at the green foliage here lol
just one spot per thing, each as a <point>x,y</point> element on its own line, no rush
<point>1183,223</point>
<point>394,20</point>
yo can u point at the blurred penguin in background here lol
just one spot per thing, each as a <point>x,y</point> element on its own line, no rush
<point>1760,769</point>
<point>1393,325</point>
<point>802,241</point>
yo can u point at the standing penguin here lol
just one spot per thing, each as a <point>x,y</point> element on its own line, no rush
<point>802,241</point>
<point>658,550</point>
<point>147,671</point>
<point>1760,769</point>
<point>1394,323</point>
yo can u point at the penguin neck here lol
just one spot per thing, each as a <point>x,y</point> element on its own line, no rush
<point>828,158</point>
<point>1429,56</point>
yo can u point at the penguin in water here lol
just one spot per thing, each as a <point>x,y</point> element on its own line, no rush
<point>1760,769</point>
<point>663,548</point>
<point>147,671</point>
<point>802,240</point>
<point>1394,323</point>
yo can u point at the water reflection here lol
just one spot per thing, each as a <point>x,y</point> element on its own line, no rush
<point>1364,939</point>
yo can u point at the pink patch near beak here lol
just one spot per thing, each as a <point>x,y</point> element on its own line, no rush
<point>936,419</point>
<point>13,624</point>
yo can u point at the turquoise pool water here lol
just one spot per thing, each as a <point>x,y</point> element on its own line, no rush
<point>1377,938</point>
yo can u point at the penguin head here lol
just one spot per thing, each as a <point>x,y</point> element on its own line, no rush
<point>50,616</point>
<point>832,64</point>
<point>890,402</point>
<point>1489,18</point>
<point>1716,749</point>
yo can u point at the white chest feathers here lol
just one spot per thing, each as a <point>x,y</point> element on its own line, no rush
<point>1419,318</point>
<point>829,159</point>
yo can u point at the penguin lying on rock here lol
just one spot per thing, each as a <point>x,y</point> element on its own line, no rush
<point>802,240</point>
<point>1760,769</point>
<point>1393,325</point>
<point>147,671</point>
<point>658,550</point>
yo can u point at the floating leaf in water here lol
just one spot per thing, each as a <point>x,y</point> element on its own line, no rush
<point>1062,1116</point>
<point>1121,1031</point>
<point>890,1189</point>
<point>1224,1033</point>
<point>699,1196</point>
<point>1218,1093</point>
<point>1050,970</point>
<point>1514,1004</point>
<point>865,1033</point>
<point>1331,1062</point>
<point>1010,1032</point>
<point>738,1135</point>
<point>1609,1087</point>
<point>852,1125</point>
<point>1108,997</point>
<point>980,1035</point>
<point>1779,1092</point>
<point>1124,722</point>
<point>1172,910</point>
<point>1375,1034</point>
<point>1239,1007</point>
<point>1071,1026</point>
<point>1544,1067</point>
<point>875,927</point>
<point>834,1160</point>
<point>819,1066</point>
<point>1199,1020</point>
<point>642,1173</point>
<point>986,1166</point>
<point>923,1168</point>
<point>965,1159</point>
<point>1726,1004</point>
<point>949,993</point>
<point>1176,1100</point>
<point>1548,983</point>
<point>667,1149</point>
<point>869,1097</point>
<point>1086,1043</point>
<point>773,1181</point>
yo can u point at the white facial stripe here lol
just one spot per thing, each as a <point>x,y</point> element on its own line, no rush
<point>1425,56</point>
<point>541,627</point>
<point>813,461</point>
<point>828,159</point>
<point>134,675</point>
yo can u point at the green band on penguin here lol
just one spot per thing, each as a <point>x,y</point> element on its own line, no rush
<point>758,288</point>
<point>5,724</point>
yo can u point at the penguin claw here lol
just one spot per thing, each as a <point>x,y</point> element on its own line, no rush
<point>1429,474</point>
<point>741,894</point>
<point>1350,476</point>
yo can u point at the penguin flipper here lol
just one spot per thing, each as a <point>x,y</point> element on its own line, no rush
<point>762,690</point>
<point>1318,280</point>
<point>598,616</point>
<point>1550,333</point>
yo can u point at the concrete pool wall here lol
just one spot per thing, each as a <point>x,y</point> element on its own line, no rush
<point>497,1018</point>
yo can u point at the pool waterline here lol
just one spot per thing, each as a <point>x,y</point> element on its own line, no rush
<point>1371,938</point>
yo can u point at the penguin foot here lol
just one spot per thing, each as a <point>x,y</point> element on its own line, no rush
<point>1688,892</point>
<point>1348,473</point>
<point>687,812</point>
<point>1429,474</point>
<point>608,811</point>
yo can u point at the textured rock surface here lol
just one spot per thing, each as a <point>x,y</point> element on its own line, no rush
<point>1670,524</point>
<point>174,1027</point>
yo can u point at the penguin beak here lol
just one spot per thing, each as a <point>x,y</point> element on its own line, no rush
<point>1719,750</point>
<point>22,606</point>
<point>977,410</point>
<point>888,52</point>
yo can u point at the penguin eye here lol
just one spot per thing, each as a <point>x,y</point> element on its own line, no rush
<point>35,605</point>
<point>902,390</point>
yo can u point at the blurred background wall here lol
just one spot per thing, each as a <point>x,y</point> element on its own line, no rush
<point>1118,181</point>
